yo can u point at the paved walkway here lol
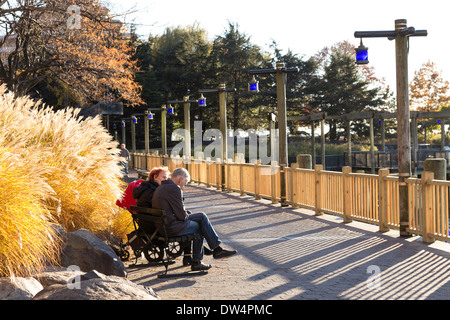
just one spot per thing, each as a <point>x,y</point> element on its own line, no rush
<point>292,254</point>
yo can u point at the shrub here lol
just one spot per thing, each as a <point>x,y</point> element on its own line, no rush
<point>54,168</point>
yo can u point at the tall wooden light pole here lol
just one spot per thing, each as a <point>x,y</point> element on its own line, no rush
<point>281,73</point>
<point>401,36</point>
<point>187,123</point>
<point>222,90</point>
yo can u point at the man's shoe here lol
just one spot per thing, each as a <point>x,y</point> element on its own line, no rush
<point>198,266</point>
<point>223,253</point>
<point>187,260</point>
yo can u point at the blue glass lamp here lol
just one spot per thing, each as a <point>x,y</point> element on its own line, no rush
<point>123,123</point>
<point>150,116</point>
<point>134,119</point>
<point>253,86</point>
<point>202,101</point>
<point>362,55</point>
<point>170,109</point>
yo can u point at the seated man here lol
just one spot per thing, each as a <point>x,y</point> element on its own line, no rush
<point>169,197</point>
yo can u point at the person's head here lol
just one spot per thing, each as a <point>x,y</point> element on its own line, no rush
<point>122,146</point>
<point>180,176</point>
<point>158,174</point>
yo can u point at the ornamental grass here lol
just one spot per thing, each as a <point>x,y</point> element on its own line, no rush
<point>55,168</point>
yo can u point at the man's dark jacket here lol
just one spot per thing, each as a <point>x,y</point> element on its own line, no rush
<point>169,197</point>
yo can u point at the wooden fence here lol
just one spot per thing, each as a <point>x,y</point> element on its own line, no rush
<point>354,196</point>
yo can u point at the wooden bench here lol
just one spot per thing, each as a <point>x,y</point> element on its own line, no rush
<point>158,243</point>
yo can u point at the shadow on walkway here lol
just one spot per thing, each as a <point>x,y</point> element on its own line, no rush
<point>292,254</point>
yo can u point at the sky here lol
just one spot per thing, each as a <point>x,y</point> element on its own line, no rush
<point>306,26</point>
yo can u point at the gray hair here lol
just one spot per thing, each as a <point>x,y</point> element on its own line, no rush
<point>181,172</point>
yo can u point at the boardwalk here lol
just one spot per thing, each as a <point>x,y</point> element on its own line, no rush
<point>292,254</point>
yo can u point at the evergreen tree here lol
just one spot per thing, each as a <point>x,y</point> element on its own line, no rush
<point>342,88</point>
<point>232,56</point>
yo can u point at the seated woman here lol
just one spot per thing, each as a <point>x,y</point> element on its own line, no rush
<point>144,192</point>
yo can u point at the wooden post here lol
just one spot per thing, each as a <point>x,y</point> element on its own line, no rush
<point>322,143</point>
<point>241,176</point>
<point>208,163</point>
<point>304,161</point>
<point>347,193</point>
<point>382,200</point>
<point>273,180</point>
<point>281,79</point>
<point>257,173</point>
<point>199,167</point>
<point>146,133</point>
<point>223,129</point>
<point>187,128</point>
<point>372,148</point>
<point>404,145</point>
<point>133,135</point>
<point>292,186</point>
<point>318,190</point>
<point>164,129</point>
<point>349,146</point>
<point>415,143</point>
<point>438,166</point>
<point>313,144</point>
<point>228,170</point>
<point>427,210</point>
<point>218,174</point>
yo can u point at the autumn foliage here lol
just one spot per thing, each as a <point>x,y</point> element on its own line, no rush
<point>429,91</point>
<point>86,51</point>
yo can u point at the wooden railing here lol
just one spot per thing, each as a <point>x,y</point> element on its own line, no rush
<point>354,196</point>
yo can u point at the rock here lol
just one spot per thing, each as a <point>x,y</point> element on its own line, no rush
<point>87,252</point>
<point>57,275</point>
<point>19,288</point>
<point>96,286</point>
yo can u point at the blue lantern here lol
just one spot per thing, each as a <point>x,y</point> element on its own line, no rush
<point>362,55</point>
<point>123,123</point>
<point>202,101</point>
<point>150,116</point>
<point>253,86</point>
<point>134,120</point>
<point>170,110</point>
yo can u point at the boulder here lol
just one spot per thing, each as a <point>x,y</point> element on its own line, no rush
<point>87,252</point>
<point>17,288</point>
<point>96,286</point>
<point>58,275</point>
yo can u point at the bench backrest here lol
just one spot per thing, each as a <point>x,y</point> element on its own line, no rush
<point>149,214</point>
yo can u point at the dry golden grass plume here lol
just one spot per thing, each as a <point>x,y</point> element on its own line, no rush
<point>54,168</point>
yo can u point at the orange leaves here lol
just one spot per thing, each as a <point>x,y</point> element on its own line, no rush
<point>95,59</point>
